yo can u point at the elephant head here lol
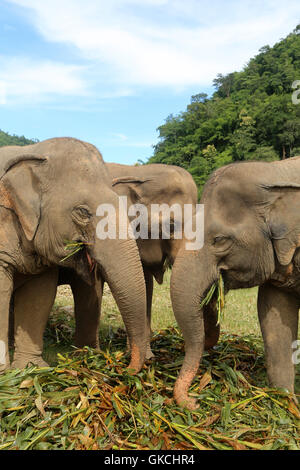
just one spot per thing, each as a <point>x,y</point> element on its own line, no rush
<point>52,190</point>
<point>251,234</point>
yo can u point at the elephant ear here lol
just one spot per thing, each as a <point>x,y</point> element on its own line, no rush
<point>20,191</point>
<point>284,220</point>
<point>133,184</point>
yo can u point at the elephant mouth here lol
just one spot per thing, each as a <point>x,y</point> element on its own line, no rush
<point>81,260</point>
<point>233,280</point>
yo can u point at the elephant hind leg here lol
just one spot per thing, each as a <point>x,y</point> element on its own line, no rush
<point>211,326</point>
<point>278,317</point>
<point>87,310</point>
<point>32,305</point>
<point>11,328</point>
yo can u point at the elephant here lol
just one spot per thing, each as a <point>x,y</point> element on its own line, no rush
<point>147,185</point>
<point>161,184</point>
<point>49,195</point>
<point>251,238</point>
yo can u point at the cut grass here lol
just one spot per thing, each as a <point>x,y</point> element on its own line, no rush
<point>73,247</point>
<point>219,286</point>
<point>87,399</point>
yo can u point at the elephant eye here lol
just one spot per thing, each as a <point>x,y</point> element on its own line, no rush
<point>222,243</point>
<point>219,239</point>
<point>81,214</point>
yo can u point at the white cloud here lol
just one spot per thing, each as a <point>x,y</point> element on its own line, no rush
<point>26,80</point>
<point>162,42</point>
<point>122,140</point>
<point>121,137</point>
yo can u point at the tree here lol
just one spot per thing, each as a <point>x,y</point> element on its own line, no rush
<point>243,138</point>
<point>224,84</point>
<point>250,116</point>
<point>7,139</point>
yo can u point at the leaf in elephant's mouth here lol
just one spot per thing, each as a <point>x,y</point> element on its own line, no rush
<point>221,296</point>
<point>73,247</point>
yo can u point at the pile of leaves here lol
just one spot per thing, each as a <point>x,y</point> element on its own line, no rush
<point>89,401</point>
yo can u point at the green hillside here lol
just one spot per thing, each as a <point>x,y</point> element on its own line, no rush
<point>250,116</point>
<point>7,139</point>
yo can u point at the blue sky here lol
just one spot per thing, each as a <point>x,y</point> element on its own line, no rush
<point>110,72</point>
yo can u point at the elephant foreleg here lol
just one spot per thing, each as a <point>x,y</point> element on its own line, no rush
<point>149,294</point>
<point>6,287</point>
<point>278,316</point>
<point>32,305</point>
<point>87,310</point>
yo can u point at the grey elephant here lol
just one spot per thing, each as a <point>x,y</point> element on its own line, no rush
<point>147,184</point>
<point>252,238</point>
<point>161,184</point>
<point>150,185</point>
<point>49,194</point>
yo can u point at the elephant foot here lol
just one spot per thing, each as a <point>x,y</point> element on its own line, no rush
<point>181,390</point>
<point>3,368</point>
<point>137,359</point>
<point>21,361</point>
<point>210,342</point>
<point>188,402</point>
<point>149,353</point>
<point>81,341</point>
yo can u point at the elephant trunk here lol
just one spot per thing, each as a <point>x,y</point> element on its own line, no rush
<point>121,268</point>
<point>192,276</point>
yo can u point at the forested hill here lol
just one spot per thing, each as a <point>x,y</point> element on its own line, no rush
<point>250,116</point>
<point>7,139</point>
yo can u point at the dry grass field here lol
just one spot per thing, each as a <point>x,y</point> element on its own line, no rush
<point>87,399</point>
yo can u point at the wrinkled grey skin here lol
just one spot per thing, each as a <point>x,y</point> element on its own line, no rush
<point>49,193</point>
<point>252,237</point>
